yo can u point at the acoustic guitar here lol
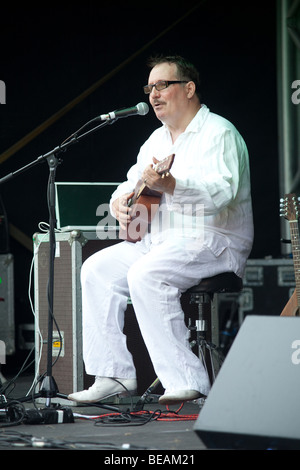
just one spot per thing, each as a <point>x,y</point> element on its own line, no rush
<point>289,208</point>
<point>144,203</point>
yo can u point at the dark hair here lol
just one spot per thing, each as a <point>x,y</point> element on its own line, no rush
<point>185,69</point>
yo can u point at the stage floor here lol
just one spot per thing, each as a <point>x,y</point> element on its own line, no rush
<point>98,428</point>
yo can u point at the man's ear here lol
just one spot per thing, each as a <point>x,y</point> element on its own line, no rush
<point>191,89</point>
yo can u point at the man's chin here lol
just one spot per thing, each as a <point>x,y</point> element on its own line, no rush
<point>159,114</point>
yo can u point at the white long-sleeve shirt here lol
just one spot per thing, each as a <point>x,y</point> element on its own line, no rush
<point>211,203</point>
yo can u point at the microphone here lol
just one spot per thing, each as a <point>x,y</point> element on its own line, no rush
<point>140,108</point>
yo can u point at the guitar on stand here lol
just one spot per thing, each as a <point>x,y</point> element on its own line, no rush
<point>290,210</point>
<point>144,203</point>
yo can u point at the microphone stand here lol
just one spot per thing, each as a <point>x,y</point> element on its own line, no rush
<point>49,387</point>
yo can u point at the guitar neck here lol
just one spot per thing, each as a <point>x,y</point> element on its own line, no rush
<point>294,229</point>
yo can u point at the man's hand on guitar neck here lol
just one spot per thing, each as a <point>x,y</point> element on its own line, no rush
<point>155,181</point>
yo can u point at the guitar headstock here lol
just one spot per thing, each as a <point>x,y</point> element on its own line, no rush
<point>163,167</point>
<point>290,207</point>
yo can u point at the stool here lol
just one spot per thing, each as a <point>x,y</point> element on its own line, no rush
<point>203,294</point>
<point>206,325</point>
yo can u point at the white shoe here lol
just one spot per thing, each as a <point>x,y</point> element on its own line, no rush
<point>179,396</point>
<point>105,387</point>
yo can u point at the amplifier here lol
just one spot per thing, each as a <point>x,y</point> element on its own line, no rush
<point>268,285</point>
<point>7,313</point>
<point>72,248</point>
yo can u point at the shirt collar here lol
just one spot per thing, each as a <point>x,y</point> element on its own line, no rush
<point>197,121</point>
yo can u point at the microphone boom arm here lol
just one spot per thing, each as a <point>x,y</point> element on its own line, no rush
<point>56,151</point>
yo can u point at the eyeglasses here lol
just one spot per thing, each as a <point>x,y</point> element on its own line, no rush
<point>161,85</point>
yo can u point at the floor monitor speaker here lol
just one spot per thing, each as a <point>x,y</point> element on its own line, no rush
<point>254,402</point>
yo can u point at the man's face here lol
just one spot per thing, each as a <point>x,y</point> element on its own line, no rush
<point>168,104</point>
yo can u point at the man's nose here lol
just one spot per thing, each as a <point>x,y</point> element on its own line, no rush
<point>154,92</point>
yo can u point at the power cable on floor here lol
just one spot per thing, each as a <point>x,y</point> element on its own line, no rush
<point>138,418</point>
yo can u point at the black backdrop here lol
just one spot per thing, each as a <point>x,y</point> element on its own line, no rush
<point>51,53</point>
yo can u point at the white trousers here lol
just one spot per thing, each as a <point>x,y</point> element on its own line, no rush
<point>154,277</point>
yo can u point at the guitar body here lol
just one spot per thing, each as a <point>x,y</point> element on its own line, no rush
<point>291,309</point>
<point>144,204</point>
<point>143,210</point>
<point>144,196</point>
